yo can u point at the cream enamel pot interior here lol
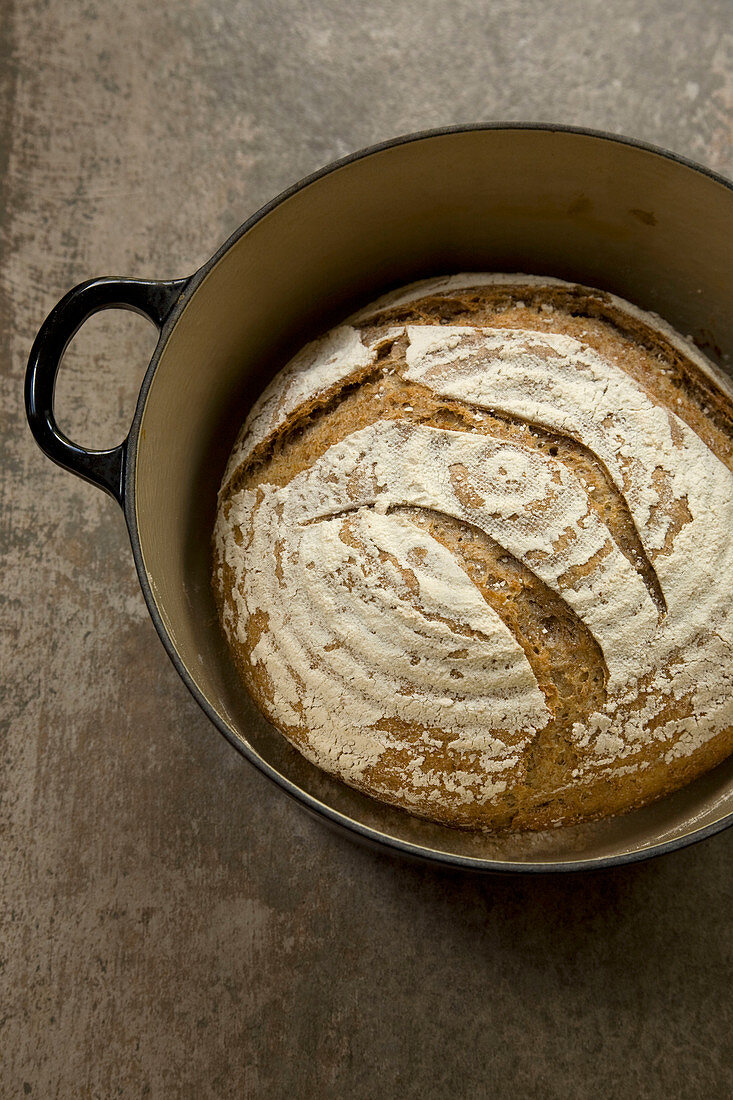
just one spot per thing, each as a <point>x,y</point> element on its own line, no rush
<point>584,206</point>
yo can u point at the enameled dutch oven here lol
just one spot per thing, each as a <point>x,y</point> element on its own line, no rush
<point>584,206</point>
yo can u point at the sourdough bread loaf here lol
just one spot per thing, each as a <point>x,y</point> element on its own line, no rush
<point>473,553</point>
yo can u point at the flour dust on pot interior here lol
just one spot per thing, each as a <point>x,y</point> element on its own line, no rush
<point>472,553</point>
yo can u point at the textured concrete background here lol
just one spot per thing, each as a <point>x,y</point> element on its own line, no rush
<point>171,925</point>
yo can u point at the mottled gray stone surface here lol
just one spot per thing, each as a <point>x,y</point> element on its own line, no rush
<point>170,924</point>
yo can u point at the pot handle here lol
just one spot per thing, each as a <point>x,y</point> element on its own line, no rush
<point>152,299</point>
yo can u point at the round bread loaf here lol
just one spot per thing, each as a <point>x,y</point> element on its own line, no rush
<point>473,553</point>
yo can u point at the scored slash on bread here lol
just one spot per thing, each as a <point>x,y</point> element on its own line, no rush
<point>468,553</point>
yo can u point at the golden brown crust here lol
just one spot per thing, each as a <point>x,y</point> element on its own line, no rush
<point>567,662</point>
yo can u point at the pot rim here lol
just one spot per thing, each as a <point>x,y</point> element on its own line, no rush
<point>372,836</point>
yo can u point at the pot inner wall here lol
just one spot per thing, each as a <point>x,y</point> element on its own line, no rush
<point>576,206</point>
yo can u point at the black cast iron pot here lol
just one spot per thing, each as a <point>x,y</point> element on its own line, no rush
<point>584,206</point>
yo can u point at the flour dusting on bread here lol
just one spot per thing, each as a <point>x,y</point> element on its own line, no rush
<point>470,553</point>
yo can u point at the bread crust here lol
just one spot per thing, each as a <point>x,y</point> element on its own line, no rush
<point>468,550</point>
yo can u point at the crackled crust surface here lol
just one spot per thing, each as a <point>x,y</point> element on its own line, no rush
<point>472,550</point>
